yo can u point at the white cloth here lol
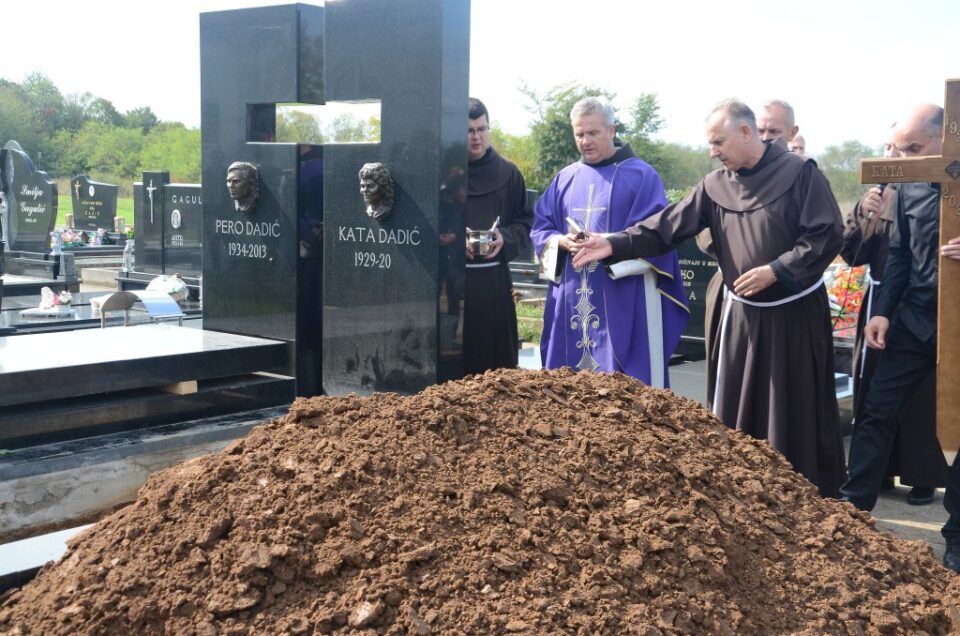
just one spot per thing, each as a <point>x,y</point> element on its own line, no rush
<point>727,294</point>
<point>636,267</point>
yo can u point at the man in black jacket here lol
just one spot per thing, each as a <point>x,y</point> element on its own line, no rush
<point>909,344</point>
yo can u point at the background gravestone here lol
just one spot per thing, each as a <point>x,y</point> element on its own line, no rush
<point>697,269</point>
<point>94,204</point>
<point>148,222</point>
<point>182,228</point>
<point>31,201</point>
<point>168,228</point>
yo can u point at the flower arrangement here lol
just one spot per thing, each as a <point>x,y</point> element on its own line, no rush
<point>72,238</point>
<point>845,291</point>
<point>50,300</point>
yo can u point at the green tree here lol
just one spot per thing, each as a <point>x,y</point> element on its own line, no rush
<point>841,165</point>
<point>17,118</point>
<point>373,128</point>
<point>347,128</point>
<point>175,148</point>
<point>296,126</point>
<point>644,122</point>
<point>75,111</point>
<point>520,149</point>
<point>551,128</point>
<point>45,101</point>
<point>70,160</point>
<point>103,111</point>
<point>142,118</point>
<point>681,167</point>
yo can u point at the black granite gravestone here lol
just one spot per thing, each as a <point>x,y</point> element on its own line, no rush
<point>383,284</point>
<point>697,269</point>
<point>148,222</point>
<point>31,198</point>
<point>389,322</point>
<point>182,229</point>
<point>94,204</point>
<point>260,278</point>
<point>168,218</point>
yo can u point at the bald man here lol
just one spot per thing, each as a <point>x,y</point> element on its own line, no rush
<point>915,454</point>
<point>776,227</point>
<point>798,146</point>
<point>909,342</point>
<point>776,121</point>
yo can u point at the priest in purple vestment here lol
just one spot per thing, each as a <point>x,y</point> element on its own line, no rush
<point>628,318</point>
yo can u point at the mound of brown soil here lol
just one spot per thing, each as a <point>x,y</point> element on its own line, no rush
<point>513,502</point>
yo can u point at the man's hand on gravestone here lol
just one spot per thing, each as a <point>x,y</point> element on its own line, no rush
<point>754,281</point>
<point>496,245</point>
<point>876,332</point>
<point>951,249</point>
<point>593,248</point>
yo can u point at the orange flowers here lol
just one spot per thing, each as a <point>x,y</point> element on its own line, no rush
<point>845,288</point>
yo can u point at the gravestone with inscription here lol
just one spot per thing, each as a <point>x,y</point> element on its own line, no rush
<point>372,320</point>
<point>94,204</point>
<point>696,268</point>
<point>168,218</point>
<point>386,282</point>
<point>31,201</point>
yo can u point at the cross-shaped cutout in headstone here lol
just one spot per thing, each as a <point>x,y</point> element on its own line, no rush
<point>381,279</point>
<point>331,123</point>
<point>262,122</point>
<point>944,170</point>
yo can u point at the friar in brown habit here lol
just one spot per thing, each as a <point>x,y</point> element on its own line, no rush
<point>916,456</point>
<point>776,123</point>
<point>775,226</point>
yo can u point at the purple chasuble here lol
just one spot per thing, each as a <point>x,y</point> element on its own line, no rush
<point>591,321</point>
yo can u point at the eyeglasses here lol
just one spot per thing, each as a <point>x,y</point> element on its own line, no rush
<point>477,131</point>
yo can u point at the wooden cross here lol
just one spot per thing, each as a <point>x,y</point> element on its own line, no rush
<point>944,170</point>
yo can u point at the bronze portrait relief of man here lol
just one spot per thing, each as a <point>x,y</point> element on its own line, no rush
<point>243,183</point>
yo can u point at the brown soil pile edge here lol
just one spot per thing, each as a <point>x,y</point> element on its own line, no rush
<point>513,502</point>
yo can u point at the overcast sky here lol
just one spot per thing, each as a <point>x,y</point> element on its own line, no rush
<point>849,68</point>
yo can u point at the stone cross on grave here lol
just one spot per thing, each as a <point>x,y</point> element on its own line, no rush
<point>76,188</point>
<point>150,190</point>
<point>944,170</point>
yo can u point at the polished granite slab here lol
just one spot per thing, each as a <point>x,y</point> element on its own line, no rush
<point>93,416</point>
<point>262,267</point>
<point>50,366</point>
<point>16,285</point>
<point>83,317</point>
<point>25,302</point>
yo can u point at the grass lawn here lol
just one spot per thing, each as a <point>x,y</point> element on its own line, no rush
<point>530,321</point>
